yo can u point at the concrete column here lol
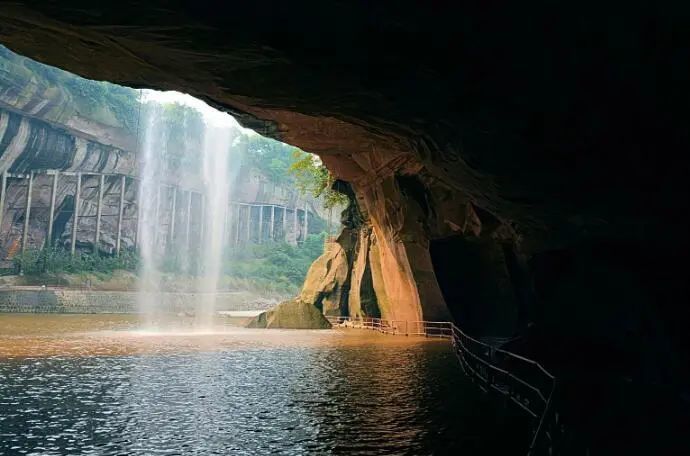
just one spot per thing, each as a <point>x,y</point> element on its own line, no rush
<point>296,226</point>
<point>261,224</point>
<point>249,223</point>
<point>51,210</point>
<point>284,223</point>
<point>136,229</point>
<point>226,227</point>
<point>156,217</point>
<point>187,228</point>
<point>273,217</point>
<point>2,197</point>
<point>99,212</point>
<point>237,225</point>
<point>306,221</point>
<point>120,213</point>
<point>173,210</point>
<point>202,219</point>
<point>75,216</point>
<point>27,212</point>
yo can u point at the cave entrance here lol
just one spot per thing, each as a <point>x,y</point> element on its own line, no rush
<point>476,284</point>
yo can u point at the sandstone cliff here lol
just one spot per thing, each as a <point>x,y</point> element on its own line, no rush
<point>52,120</point>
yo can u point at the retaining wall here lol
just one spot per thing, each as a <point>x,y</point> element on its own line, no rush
<point>87,301</point>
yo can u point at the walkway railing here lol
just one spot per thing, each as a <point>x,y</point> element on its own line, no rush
<point>524,381</point>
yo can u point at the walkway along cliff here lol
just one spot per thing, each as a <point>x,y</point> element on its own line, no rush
<point>66,156</point>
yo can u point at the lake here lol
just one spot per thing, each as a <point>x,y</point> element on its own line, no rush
<point>96,384</point>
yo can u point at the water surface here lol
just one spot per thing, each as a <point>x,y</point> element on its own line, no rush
<point>66,388</point>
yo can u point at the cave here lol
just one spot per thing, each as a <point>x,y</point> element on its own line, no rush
<point>522,170</point>
<point>476,285</point>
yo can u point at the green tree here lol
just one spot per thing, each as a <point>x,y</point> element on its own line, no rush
<point>313,178</point>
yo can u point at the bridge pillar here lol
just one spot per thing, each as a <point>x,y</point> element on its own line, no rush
<point>156,217</point>
<point>273,216</point>
<point>284,234</point>
<point>173,210</point>
<point>75,216</point>
<point>187,228</point>
<point>202,219</point>
<point>120,213</point>
<point>51,210</point>
<point>261,223</point>
<point>237,224</point>
<point>249,223</point>
<point>99,212</point>
<point>296,225</point>
<point>27,212</point>
<point>306,221</point>
<point>137,235</point>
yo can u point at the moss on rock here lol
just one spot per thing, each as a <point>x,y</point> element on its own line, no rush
<point>293,314</point>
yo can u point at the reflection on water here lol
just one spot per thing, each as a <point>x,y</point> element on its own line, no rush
<point>116,391</point>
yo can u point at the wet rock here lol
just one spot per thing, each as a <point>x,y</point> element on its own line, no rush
<point>293,314</point>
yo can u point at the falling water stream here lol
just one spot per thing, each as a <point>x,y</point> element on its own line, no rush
<point>211,181</point>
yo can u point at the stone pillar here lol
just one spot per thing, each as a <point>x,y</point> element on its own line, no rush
<point>99,212</point>
<point>261,223</point>
<point>51,210</point>
<point>173,210</point>
<point>226,226</point>
<point>156,217</point>
<point>284,223</point>
<point>306,221</point>
<point>75,216</point>
<point>3,195</point>
<point>27,211</point>
<point>237,225</point>
<point>187,237</point>
<point>296,225</point>
<point>120,214</point>
<point>136,229</point>
<point>202,219</point>
<point>273,217</point>
<point>249,223</point>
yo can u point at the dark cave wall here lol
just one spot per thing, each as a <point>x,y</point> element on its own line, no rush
<point>476,285</point>
<point>617,304</point>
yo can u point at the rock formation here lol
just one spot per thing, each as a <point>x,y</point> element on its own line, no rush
<point>46,124</point>
<point>539,149</point>
<point>293,314</point>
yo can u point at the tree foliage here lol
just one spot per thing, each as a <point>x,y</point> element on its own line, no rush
<point>270,157</point>
<point>56,260</point>
<point>184,136</point>
<point>282,264</point>
<point>313,178</point>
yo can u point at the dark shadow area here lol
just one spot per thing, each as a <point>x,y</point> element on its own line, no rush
<point>476,285</point>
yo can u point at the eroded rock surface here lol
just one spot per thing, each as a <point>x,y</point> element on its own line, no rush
<point>555,136</point>
<point>293,314</point>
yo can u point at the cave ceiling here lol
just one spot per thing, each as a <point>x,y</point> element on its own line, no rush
<point>560,121</point>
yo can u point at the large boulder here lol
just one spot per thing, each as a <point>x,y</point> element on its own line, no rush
<point>293,314</point>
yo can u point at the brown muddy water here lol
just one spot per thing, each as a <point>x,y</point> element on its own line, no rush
<point>97,385</point>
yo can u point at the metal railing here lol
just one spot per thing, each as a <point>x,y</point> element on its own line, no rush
<point>524,381</point>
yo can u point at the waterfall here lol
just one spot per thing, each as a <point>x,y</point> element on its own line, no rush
<point>217,145</point>
<point>147,230</point>
<point>199,159</point>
